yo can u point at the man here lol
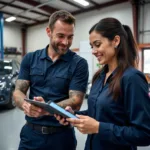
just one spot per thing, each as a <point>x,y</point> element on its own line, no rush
<point>54,73</point>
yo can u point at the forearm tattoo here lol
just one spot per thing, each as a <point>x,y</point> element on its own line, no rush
<point>20,92</point>
<point>75,100</point>
<point>77,94</point>
<point>22,85</point>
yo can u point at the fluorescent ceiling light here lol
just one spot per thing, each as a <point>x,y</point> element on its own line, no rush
<point>6,61</point>
<point>10,19</point>
<point>7,67</point>
<point>82,2</point>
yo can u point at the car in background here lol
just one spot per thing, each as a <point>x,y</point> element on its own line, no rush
<point>88,89</point>
<point>9,70</point>
<point>149,89</point>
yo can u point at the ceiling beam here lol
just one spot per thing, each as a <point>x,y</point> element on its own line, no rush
<point>8,13</point>
<point>37,23</point>
<point>139,2</point>
<point>107,4</point>
<point>23,8</point>
<point>7,4</point>
<point>92,2</point>
<point>47,9</point>
<point>72,4</point>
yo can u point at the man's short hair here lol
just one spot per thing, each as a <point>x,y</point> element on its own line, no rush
<point>61,15</point>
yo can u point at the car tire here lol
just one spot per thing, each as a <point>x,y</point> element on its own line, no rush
<point>11,103</point>
<point>86,96</point>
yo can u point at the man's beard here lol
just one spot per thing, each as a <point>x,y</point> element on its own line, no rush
<point>57,50</point>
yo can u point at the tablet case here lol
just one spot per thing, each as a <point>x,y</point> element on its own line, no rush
<point>52,108</point>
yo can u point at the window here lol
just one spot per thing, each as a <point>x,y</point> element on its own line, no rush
<point>146,61</point>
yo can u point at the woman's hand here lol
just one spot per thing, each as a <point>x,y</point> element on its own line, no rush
<point>85,124</point>
<point>63,120</point>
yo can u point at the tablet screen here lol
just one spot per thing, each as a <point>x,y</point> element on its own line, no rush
<point>62,111</point>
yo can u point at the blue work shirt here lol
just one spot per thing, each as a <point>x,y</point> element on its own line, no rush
<point>53,80</point>
<point>125,122</point>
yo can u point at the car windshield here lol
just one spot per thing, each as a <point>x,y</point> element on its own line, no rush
<point>5,67</point>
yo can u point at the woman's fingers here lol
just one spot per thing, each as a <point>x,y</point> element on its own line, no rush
<point>74,122</point>
<point>61,119</point>
<point>57,117</point>
<point>68,108</point>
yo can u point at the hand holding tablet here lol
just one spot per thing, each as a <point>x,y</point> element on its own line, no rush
<point>52,108</point>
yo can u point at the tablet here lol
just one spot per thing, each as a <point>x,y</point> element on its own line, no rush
<point>52,108</point>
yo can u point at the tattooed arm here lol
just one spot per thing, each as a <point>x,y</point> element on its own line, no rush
<point>20,92</point>
<point>75,100</point>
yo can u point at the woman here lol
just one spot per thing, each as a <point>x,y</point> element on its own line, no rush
<point>118,114</point>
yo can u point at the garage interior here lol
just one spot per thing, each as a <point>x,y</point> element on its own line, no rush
<point>27,33</point>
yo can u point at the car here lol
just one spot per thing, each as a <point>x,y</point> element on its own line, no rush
<point>149,89</point>
<point>9,70</point>
<point>88,89</point>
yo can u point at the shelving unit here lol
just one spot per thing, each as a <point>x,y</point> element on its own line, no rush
<point>17,53</point>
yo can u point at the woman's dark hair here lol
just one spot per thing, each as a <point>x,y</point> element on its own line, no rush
<point>126,51</point>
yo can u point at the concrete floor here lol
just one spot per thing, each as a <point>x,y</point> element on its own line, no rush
<point>11,123</point>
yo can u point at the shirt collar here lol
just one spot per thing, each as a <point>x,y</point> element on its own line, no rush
<point>105,69</point>
<point>44,53</point>
<point>65,57</point>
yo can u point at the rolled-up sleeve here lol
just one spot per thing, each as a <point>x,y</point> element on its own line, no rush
<point>24,72</point>
<point>80,78</point>
<point>137,107</point>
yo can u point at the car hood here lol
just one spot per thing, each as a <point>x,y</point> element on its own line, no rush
<point>5,77</point>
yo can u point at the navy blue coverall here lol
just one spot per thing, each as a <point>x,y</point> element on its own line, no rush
<point>125,122</point>
<point>52,81</point>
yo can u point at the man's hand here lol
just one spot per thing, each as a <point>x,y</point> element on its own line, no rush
<point>32,110</point>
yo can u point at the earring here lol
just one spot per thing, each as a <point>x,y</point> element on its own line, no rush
<point>115,47</point>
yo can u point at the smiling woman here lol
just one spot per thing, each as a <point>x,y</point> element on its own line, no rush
<point>118,116</point>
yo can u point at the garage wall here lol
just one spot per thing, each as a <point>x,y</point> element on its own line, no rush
<point>37,38</point>
<point>123,12</point>
<point>12,36</point>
